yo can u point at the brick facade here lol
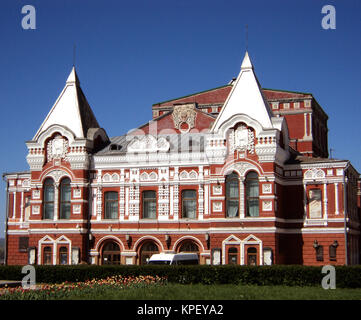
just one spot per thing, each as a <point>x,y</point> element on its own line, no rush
<point>235,191</point>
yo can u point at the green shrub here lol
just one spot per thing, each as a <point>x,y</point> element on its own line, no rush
<point>288,275</point>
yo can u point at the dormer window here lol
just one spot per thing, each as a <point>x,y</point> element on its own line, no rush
<point>115,147</point>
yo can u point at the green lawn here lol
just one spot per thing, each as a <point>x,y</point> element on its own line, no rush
<point>227,292</point>
<point>202,292</point>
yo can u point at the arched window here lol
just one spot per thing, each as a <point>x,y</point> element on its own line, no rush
<point>232,195</point>
<point>147,250</point>
<point>48,199</point>
<point>189,204</point>
<point>188,246</point>
<point>252,195</point>
<point>65,198</point>
<point>233,255</point>
<point>111,205</point>
<point>149,204</point>
<point>111,253</point>
<point>252,256</point>
<point>63,255</point>
<point>47,256</point>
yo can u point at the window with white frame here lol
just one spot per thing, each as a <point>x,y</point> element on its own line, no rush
<point>49,199</point>
<point>111,205</point>
<point>232,195</point>
<point>189,204</point>
<point>252,194</point>
<point>149,204</point>
<point>65,199</point>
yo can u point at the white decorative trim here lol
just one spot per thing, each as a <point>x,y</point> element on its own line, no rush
<point>76,208</point>
<point>184,175</point>
<point>314,173</point>
<point>35,210</point>
<point>266,205</point>
<point>77,193</point>
<point>148,143</point>
<point>36,194</point>
<point>266,188</point>
<point>217,206</point>
<point>217,189</point>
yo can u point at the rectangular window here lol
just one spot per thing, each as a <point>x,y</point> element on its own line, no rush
<point>315,204</point>
<point>319,253</point>
<point>252,195</point>
<point>111,205</point>
<point>232,195</point>
<point>149,205</point>
<point>65,199</point>
<point>48,200</point>
<point>189,204</point>
<point>23,244</point>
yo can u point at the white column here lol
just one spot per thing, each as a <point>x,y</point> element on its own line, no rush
<point>99,203</point>
<point>325,200</point>
<point>14,204</point>
<point>22,207</point>
<point>121,202</point>
<point>304,201</point>
<point>171,202</point>
<point>206,199</point>
<point>336,199</point>
<point>126,201</point>
<point>200,202</point>
<point>310,124</point>
<point>305,124</point>
<point>241,198</point>
<point>56,201</point>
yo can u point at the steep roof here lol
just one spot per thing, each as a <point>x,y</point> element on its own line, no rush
<point>71,110</point>
<point>246,97</point>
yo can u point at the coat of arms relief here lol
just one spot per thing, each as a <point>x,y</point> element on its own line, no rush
<point>184,117</point>
<point>57,148</point>
<point>242,139</point>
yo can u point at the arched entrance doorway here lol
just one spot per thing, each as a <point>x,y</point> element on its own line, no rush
<point>111,253</point>
<point>146,251</point>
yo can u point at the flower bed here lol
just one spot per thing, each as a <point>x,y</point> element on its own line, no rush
<point>94,287</point>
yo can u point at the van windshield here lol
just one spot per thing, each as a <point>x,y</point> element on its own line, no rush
<point>159,262</point>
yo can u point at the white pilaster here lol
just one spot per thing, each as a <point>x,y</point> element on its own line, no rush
<point>336,199</point>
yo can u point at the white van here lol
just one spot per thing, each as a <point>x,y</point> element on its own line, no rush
<point>174,258</point>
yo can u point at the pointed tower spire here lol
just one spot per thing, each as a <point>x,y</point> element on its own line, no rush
<point>246,63</point>
<point>245,98</point>
<point>73,78</point>
<point>71,110</point>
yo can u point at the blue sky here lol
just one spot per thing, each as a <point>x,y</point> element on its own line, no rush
<point>131,54</point>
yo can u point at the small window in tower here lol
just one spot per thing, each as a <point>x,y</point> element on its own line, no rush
<point>23,244</point>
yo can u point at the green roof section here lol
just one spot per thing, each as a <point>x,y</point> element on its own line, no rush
<point>224,86</point>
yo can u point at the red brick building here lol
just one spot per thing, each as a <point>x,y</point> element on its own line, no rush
<point>238,174</point>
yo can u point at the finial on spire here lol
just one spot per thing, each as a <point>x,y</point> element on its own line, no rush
<point>246,37</point>
<point>74,49</point>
